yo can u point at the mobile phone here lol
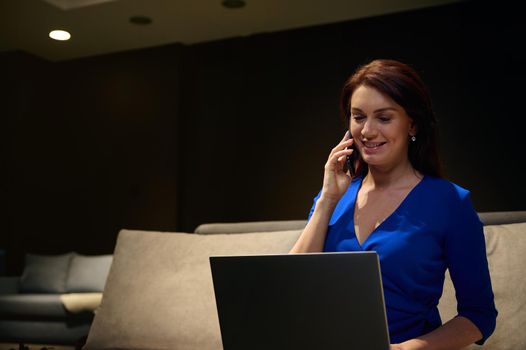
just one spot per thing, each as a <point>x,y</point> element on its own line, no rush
<point>350,161</point>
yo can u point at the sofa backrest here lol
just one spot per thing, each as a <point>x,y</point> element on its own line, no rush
<point>506,252</point>
<point>502,217</point>
<point>159,293</point>
<point>487,218</point>
<point>253,226</point>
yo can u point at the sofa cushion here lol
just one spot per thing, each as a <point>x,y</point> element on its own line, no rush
<point>88,273</point>
<point>45,273</point>
<point>9,284</point>
<point>506,247</point>
<point>159,293</point>
<point>66,332</point>
<point>32,306</point>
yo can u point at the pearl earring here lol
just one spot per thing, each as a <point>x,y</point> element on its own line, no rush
<point>413,138</point>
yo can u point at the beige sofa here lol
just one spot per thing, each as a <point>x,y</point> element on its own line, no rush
<point>159,293</point>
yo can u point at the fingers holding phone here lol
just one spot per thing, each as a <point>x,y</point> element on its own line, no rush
<point>337,174</point>
<point>345,152</point>
<point>350,165</point>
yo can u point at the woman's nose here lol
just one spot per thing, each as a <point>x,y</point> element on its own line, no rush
<point>368,130</point>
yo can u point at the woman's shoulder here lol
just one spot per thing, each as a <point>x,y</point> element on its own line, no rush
<point>451,201</point>
<point>445,189</point>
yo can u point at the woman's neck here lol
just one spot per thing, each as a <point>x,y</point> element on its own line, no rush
<point>400,176</point>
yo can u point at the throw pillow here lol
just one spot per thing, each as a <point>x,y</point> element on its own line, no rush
<point>45,273</point>
<point>88,273</point>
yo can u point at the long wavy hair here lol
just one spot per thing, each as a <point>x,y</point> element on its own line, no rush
<point>402,84</point>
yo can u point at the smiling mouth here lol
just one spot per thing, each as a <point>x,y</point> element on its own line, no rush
<point>373,145</point>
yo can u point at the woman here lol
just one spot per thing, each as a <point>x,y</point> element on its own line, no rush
<point>398,205</point>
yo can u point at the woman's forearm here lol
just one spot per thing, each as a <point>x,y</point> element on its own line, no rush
<point>455,334</point>
<point>313,236</point>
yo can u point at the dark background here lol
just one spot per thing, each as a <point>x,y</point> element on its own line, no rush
<point>234,130</point>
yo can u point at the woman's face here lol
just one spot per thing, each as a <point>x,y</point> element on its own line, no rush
<point>380,127</point>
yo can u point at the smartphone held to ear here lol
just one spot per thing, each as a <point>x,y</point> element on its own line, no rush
<point>350,162</point>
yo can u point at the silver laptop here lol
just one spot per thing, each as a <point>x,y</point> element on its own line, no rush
<point>322,301</point>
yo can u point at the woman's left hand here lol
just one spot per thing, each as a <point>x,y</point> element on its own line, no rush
<point>395,347</point>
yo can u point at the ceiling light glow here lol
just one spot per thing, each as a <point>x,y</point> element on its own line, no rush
<point>61,35</point>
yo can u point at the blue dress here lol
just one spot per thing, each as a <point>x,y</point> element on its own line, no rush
<point>434,228</point>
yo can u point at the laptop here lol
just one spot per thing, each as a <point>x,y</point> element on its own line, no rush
<point>322,301</point>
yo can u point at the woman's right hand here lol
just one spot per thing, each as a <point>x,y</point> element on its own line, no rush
<point>335,180</point>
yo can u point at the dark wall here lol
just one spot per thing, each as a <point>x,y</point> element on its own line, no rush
<point>261,116</point>
<point>239,129</point>
<point>92,149</point>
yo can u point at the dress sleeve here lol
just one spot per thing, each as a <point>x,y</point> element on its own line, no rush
<point>468,267</point>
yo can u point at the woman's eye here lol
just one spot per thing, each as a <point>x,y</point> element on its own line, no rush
<point>384,119</point>
<point>358,117</point>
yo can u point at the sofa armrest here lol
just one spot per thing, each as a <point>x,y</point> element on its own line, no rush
<point>9,285</point>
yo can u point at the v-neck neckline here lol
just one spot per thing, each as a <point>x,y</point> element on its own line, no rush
<point>402,203</point>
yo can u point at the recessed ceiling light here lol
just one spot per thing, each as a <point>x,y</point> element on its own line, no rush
<point>140,20</point>
<point>60,35</point>
<point>233,4</point>
<point>74,4</point>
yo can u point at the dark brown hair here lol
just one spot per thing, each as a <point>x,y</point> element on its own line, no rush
<point>402,84</point>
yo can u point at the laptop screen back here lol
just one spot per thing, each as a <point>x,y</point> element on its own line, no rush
<point>327,301</point>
